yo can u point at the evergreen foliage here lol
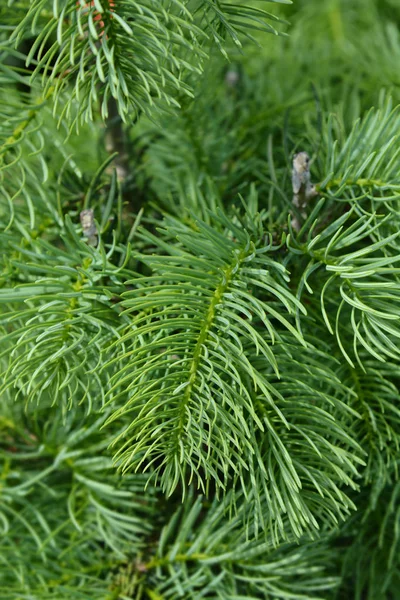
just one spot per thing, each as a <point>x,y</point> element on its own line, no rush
<point>199,379</point>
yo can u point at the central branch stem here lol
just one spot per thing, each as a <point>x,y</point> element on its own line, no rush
<point>227,275</point>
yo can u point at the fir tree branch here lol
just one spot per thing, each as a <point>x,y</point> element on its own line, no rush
<point>180,354</point>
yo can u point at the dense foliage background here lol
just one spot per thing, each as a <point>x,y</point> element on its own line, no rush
<point>198,398</point>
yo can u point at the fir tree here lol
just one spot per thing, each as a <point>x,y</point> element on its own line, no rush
<point>200,300</point>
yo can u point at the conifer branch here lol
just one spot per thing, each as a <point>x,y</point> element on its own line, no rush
<point>236,341</point>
